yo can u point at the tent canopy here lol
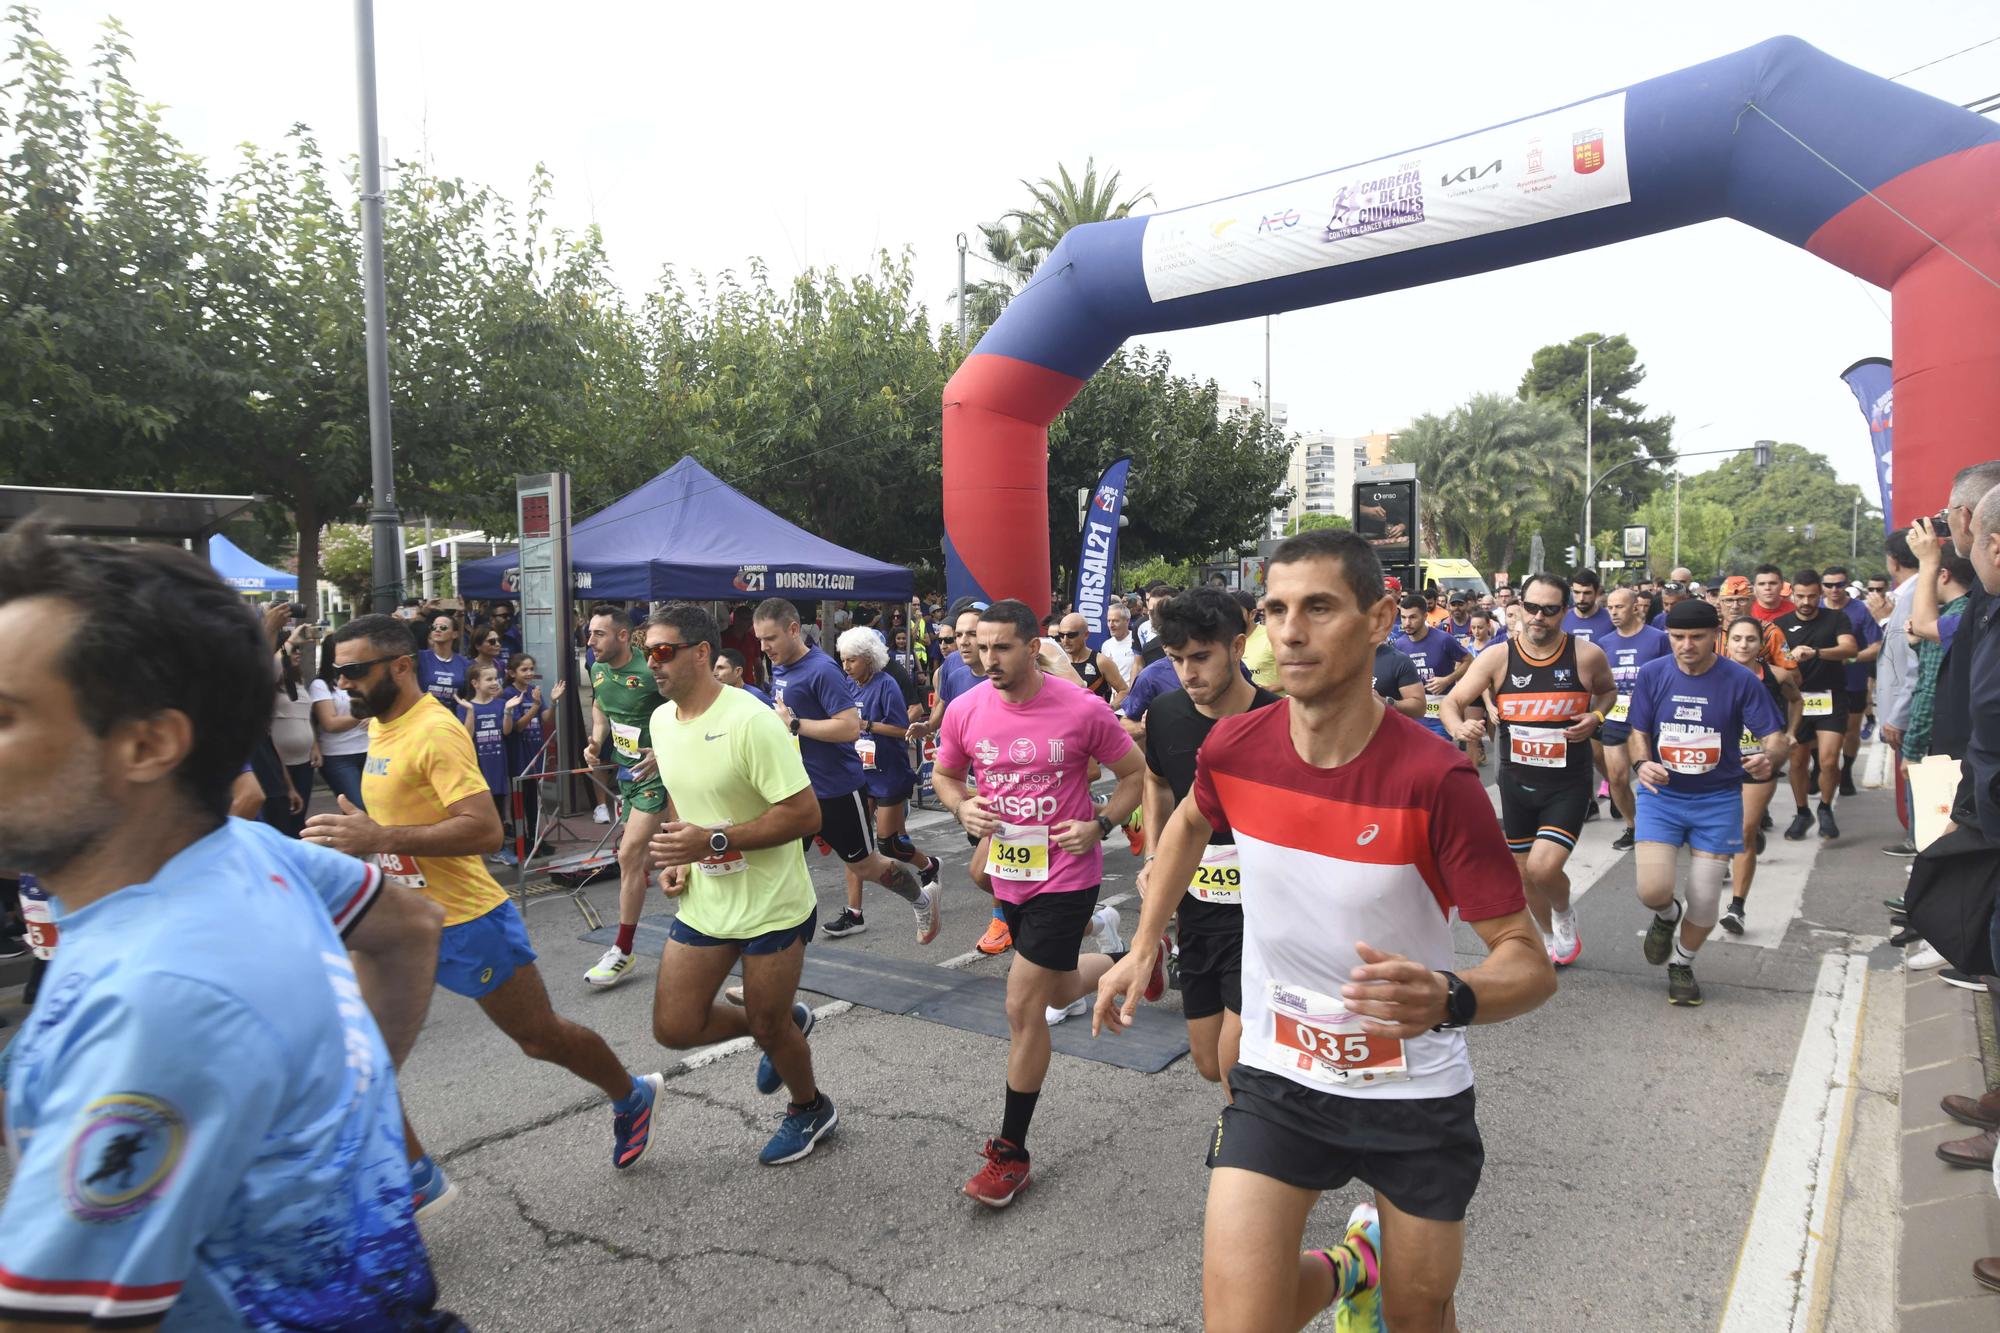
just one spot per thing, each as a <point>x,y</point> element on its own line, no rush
<point>243,573</point>
<point>688,535</point>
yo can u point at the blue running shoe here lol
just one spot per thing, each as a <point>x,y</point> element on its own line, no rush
<point>430,1188</point>
<point>801,1132</point>
<point>768,1079</point>
<point>632,1130</point>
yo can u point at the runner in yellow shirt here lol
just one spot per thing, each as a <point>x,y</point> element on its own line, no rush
<point>429,819</point>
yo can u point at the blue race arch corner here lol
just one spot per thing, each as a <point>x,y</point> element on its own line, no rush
<point>1780,136</point>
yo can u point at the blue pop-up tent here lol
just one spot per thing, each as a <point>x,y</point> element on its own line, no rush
<point>688,535</point>
<point>242,572</point>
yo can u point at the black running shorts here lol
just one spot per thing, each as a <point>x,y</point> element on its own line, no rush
<point>1211,971</point>
<point>1048,929</point>
<point>1423,1155</point>
<point>846,824</point>
<point>1549,808</point>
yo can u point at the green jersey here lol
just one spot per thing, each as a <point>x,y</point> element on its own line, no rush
<point>627,696</point>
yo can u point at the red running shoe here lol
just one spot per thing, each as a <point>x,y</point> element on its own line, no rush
<point>1004,1175</point>
<point>1156,984</point>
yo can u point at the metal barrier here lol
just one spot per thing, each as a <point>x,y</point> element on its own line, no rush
<point>548,820</point>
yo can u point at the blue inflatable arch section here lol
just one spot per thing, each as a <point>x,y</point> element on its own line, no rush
<point>1779,136</point>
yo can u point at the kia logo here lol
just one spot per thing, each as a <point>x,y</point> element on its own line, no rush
<point>1464,175</point>
<point>1367,835</point>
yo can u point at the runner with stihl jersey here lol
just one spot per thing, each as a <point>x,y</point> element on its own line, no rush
<point>1552,690</point>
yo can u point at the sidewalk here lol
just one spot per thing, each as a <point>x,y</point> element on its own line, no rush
<point>1950,1216</point>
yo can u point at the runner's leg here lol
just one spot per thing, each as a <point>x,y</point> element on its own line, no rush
<point>1546,872</point>
<point>635,866</point>
<point>1031,992</point>
<point>770,985</point>
<point>685,1009</point>
<point>1421,1262</point>
<point>519,1007</point>
<point>1204,1045</point>
<point>1743,866</point>
<point>1829,743</point>
<point>1618,770</point>
<point>1253,1277</point>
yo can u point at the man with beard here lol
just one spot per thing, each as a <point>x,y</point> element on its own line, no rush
<point>1818,641</point>
<point>192,1106</point>
<point>430,819</point>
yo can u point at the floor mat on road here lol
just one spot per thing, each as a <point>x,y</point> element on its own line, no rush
<point>952,998</point>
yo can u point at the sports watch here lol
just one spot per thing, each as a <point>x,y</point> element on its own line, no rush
<point>1461,1004</point>
<point>718,844</point>
<point>1104,827</point>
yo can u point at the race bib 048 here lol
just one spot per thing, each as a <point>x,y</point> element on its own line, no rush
<point>401,869</point>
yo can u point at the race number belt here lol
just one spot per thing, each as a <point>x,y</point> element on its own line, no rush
<point>1691,752</point>
<point>1538,747</point>
<point>1317,1037</point>
<point>401,869</point>
<point>1219,877</point>
<point>1620,710</point>
<point>625,740</point>
<point>1019,852</point>
<point>1819,703</point>
<point>865,747</point>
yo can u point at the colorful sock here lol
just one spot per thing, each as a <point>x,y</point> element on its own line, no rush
<point>998,915</point>
<point>625,936</point>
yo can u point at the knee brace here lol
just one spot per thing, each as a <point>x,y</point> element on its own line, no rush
<point>1704,900</point>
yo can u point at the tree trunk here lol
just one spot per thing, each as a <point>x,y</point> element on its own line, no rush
<point>305,512</point>
<point>1507,552</point>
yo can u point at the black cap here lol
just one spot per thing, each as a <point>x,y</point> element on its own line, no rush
<point>1693,614</point>
<point>1458,599</point>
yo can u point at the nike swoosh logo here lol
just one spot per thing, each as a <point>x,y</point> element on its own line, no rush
<point>716,737</point>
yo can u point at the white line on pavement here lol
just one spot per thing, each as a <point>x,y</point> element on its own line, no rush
<point>1776,894</point>
<point>1773,1285</point>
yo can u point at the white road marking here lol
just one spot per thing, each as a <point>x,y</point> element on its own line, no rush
<point>1776,894</point>
<point>1773,1285</point>
<point>1592,855</point>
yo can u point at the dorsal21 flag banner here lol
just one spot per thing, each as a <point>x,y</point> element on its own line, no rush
<point>1097,561</point>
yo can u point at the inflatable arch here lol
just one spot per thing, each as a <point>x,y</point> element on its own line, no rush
<point>1779,136</point>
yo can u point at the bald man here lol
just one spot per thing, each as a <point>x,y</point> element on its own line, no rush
<point>1099,673</point>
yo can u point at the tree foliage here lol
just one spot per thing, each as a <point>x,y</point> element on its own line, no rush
<point>1620,429</point>
<point>1490,470</point>
<point>1738,516</point>
<point>1314,522</point>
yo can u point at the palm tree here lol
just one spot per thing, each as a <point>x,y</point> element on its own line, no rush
<point>1488,468</point>
<point>1023,238</point>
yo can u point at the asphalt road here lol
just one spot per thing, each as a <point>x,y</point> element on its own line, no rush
<point>1629,1144</point>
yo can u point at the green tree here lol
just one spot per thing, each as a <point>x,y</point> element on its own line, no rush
<point>1490,470</point>
<point>1795,513</point>
<point>1620,429</point>
<point>1023,237</point>
<point>1705,528</point>
<point>1314,522</point>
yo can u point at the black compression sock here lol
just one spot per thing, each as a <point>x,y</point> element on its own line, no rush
<point>1736,905</point>
<point>1014,1122</point>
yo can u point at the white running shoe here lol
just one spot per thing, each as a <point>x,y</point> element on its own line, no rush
<point>1923,958</point>
<point>930,916</point>
<point>1076,1008</point>
<point>1565,947</point>
<point>611,969</point>
<point>1104,924</point>
<point>601,814</point>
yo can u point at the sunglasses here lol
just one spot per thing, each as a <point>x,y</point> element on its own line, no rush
<point>1550,612</point>
<point>659,654</point>
<point>356,670</point>
<point>1072,634</point>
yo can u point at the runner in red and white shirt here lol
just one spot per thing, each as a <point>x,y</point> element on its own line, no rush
<point>1362,838</point>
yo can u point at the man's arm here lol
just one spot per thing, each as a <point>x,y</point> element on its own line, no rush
<point>471,827</point>
<point>1843,650</point>
<point>246,796</point>
<point>1116,678</point>
<point>1400,997</point>
<point>790,820</point>
<point>1176,855</point>
<point>394,948</point>
<point>1471,687</point>
<point>1410,702</point>
<point>840,729</point>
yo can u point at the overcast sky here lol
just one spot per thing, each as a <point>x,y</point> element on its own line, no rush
<point>702,135</point>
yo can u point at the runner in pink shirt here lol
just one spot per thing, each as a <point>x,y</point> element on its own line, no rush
<point>1033,737</point>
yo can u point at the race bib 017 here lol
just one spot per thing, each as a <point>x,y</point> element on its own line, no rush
<point>1538,747</point>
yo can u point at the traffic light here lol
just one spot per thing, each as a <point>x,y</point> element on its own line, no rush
<point>1569,557</point>
<point>1760,452</point>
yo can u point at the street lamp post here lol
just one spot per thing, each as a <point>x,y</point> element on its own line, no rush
<point>383,520</point>
<point>1854,532</point>
<point>1589,413</point>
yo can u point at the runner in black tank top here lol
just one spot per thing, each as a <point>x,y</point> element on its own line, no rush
<point>1744,643</point>
<point>1097,671</point>
<point>1550,690</point>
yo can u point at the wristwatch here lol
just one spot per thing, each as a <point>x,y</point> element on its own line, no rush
<point>718,843</point>
<point>1461,1004</point>
<point>1104,827</point>
<point>795,724</point>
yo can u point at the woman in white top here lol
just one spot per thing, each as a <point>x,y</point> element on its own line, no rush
<point>343,737</point>
<point>292,735</point>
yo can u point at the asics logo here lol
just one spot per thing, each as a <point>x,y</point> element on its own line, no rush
<point>1367,835</point>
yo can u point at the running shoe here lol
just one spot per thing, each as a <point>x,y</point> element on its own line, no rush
<point>1156,984</point>
<point>1801,825</point>
<point>1004,1175</point>
<point>611,969</point>
<point>1904,849</point>
<point>1623,842</point>
<point>1076,1008</point>
<point>1827,828</point>
<point>929,874</point>
<point>1682,988</point>
<point>997,939</point>
<point>1135,838</point>
<point>1590,810</point>
<point>1951,976</point>
<point>733,994</point>
<point>1567,946</point>
<point>1760,842</point>
<point>506,856</point>
<point>849,922</point>
<point>768,1078</point>
<point>1732,920</point>
<point>430,1188</point>
<point>1896,904</point>
<point>601,815</point>
<point>1765,822</point>
<point>632,1130</point>
<point>929,908</point>
<point>803,1128</point>
<point>1867,728</point>
<point>1104,925</point>
<point>1660,936</point>
<point>1923,957</point>
<point>1360,1310</point>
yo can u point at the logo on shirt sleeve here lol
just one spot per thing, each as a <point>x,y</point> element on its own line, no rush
<point>123,1157</point>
